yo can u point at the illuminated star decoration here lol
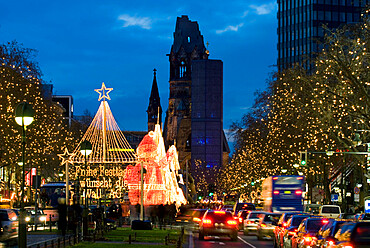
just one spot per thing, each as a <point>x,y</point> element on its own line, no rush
<point>103,92</point>
<point>66,157</point>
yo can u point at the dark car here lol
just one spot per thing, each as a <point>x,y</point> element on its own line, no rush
<point>353,235</point>
<point>8,226</point>
<point>220,223</point>
<point>306,236</point>
<point>325,236</point>
<point>241,217</point>
<point>280,228</point>
<point>291,229</point>
<point>266,225</point>
<point>243,206</point>
<point>192,217</point>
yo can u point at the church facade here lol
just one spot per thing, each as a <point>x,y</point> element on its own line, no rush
<point>194,118</point>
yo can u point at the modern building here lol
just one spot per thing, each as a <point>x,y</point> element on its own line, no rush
<point>194,118</point>
<point>300,26</point>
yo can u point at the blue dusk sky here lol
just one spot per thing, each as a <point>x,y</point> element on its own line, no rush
<point>81,44</point>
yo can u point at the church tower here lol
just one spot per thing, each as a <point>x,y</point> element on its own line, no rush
<point>194,119</point>
<point>188,45</point>
<point>154,109</point>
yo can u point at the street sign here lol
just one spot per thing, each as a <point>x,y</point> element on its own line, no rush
<point>367,204</point>
<point>357,190</point>
<point>356,197</point>
<point>334,197</point>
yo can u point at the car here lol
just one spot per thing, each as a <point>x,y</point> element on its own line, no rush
<point>192,217</point>
<point>347,216</point>
<point>227,208</point>
<point>353,235</point>
<point>243,206</point>
<point>241,217</point>
<point>220,223</point>
<point>325,236</point>
<point>306,236</point>
<point>33,218</point>
<point>362,217</point>
<point>266,225</point>
<point>291,229</point>
<point>8,226</point>
<point>280,228</point>
<point>251,222</point>
<point>330,211</point>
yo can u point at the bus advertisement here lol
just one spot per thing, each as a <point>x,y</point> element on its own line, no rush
<point>283,193</point>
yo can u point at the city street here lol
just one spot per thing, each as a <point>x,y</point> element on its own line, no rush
<point>243,241</point>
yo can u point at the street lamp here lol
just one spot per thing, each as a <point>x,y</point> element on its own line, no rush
<point>23,116</point>
<point>86,149</point>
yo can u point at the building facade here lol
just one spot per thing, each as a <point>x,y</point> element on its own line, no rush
<point>194,117</point>
<point>300,26</point>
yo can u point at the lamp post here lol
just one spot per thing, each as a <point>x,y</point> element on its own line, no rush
<point>86,149</point>
<point>23,116</point>
<point>142,173</point>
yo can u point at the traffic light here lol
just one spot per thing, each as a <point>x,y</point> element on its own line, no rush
<point>211,194</point>
<point>252,183</point>
<point>303,158</point>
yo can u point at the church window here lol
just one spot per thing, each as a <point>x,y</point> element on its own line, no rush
<point>182,69</point>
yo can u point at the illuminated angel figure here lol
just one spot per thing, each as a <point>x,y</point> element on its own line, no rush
<point>160,183</point>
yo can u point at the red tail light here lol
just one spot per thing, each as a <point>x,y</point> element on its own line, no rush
<point>276,192</point>
<point>249,222</point>
<point>263,225</point>
<point>274,178</point>
<point>309,240</point>
<point>240,220</point>
<point>232,222</point>
<point>348,246</point>
<point>285,224</point>
<point>325,221</point>
<point>196,219</point>
<point>298,192</point>
<point>292,233</point>
<point>207,222</point>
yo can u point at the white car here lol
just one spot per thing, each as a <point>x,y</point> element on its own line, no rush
<point>251,222</point>
<point>330,211</point>
<point>9,226</point>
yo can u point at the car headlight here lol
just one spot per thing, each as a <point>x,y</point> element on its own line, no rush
<point>27,219</point>
<point>42,218</point>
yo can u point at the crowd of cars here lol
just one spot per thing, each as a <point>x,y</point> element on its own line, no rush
<point>325,228</point>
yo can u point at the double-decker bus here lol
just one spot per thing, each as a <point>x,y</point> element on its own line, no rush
<point>283,193</point>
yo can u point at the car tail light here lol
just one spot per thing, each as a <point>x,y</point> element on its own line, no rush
<point>240,220</point>
<point>298,192</point>
<point>219,212</point>
<point>274,178</point>
<point>308,240</point>
<point>196,219</point>
<point>331,242</point>
<point>325,221</point>
<point>276,192</point>
<point>299,178</point>
<point>292,233</point>
<point>207,222</point>
<point>285,224</point>
<point>263,225</point>
<point>232,222</point>
<point>249,222</point>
